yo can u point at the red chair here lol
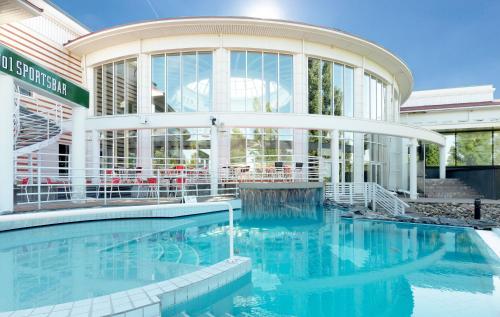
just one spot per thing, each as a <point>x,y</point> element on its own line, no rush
<point>25,182</point>
<point>115,182</point>
<point>152,186</point>
<point>56,185</point>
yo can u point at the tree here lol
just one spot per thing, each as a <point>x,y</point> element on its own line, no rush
<point>473,148</point>
<point>314,85</point>
<point>431,155</point>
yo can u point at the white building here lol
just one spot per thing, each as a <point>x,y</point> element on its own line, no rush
<point>223,94</point>
<point>469,119</point>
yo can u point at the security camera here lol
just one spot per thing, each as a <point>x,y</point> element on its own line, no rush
<point>214,120</point>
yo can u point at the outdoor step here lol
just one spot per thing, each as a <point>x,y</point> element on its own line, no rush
<point>449,188</point>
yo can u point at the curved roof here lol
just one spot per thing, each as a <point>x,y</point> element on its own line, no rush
<point>246,26</point>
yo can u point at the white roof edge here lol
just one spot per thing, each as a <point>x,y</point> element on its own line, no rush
<point>53,11</point>
<point>403,74</point>
<point>453,90</point>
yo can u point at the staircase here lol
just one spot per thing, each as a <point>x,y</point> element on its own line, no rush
<point>449,188</point>
<point>365,194</point>
<point>34,130</point>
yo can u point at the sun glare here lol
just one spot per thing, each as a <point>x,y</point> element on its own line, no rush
<point>264,9</point>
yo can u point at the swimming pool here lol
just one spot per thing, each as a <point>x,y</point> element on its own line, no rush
<point>305,263</point>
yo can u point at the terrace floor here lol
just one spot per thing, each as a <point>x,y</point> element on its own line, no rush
<point>52,206</point>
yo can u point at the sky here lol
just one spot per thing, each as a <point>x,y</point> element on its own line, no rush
<point>446,43</point>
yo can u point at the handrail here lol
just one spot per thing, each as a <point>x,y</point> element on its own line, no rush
<point>35,126</point>
<point>367,194</point>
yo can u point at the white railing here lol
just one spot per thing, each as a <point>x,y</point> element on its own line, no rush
<point>365,194</point>
<point>274,168</point>
<point>48,178</point>
<point>47,184</point>
<point>36,126</point>
<point>17,106</point>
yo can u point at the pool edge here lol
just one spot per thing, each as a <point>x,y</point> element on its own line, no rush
<point>45,218</point>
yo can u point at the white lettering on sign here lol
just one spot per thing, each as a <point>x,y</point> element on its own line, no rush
<point>32,74</point>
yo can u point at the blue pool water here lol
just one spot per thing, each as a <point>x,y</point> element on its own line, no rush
<point>305,263</point>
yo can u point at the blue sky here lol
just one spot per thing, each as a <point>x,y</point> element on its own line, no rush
<point>446,43</point>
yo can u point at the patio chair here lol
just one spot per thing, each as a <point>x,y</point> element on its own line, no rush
<point>23,184</point>
<point>115,182</point>
<point>56,184</point>
<point>152,186</point>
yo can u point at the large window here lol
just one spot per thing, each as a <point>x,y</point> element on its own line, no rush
<point>182,82</point>
<point>115,88</point>
<point>185,146</point>
<point>330,88</point>
<point>118,149</point>
<point>375,158</point>
<point>319,144</point>
<point>375,98</point>
<point>467,148</point>
<point>259,146</point>
<point>261,82</point>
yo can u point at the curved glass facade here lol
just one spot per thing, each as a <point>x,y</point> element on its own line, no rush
<point>261,82</point>
<point>181,82</point>
<point>115,88</point>
<point>330,88</point>
<point>254,145</point>
<point>251,81</point>
<point>375,101</point>
<point>189,146</point>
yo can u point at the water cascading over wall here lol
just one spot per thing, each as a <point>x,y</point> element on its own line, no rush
<point>270,196</point>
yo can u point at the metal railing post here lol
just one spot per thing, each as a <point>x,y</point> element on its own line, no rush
<point>105,188</point>
<point>374,196</point>
<point>157,187</point>
<point>39,185</point>
<point>351,185</point>
<point>183,175</point>
<point>231,231</point>
<point>365,189</point>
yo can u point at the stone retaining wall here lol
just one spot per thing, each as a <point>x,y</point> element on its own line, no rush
<point>464,211</point>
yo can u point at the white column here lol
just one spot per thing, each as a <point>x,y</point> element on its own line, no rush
<point>78,153</point>
<point>359,142</point>
<point>334,148</point>
<point>359,151</point>
<point>413,168</point>
<point>214,160</point>
<point>7,144</point>
<point>96,156</point>
<point>442,162</point>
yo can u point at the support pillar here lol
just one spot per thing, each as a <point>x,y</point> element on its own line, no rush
<point>78,154</point>
<point>413,168</point>
<point>442,162</point>
<point>96,156</point>
<point>334,148</point>
<point>214,160</point>
<point>358,164</point>
<point>7,144</point>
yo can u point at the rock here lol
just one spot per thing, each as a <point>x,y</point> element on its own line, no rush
<point>358,212</point>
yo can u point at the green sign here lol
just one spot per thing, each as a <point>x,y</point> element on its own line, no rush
<point>23,69</point>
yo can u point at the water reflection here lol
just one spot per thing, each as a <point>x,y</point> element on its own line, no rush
<point>57,264</point>
<point>328,266</point>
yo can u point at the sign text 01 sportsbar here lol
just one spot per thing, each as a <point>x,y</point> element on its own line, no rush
<point>27,71</point>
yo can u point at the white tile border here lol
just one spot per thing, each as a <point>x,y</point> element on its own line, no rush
<point>491,239</point>
<point>148,300</point>
<point>43,218</point>
<point>145,301</point>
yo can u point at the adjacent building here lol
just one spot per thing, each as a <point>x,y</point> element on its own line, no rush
<point>469,119</point>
